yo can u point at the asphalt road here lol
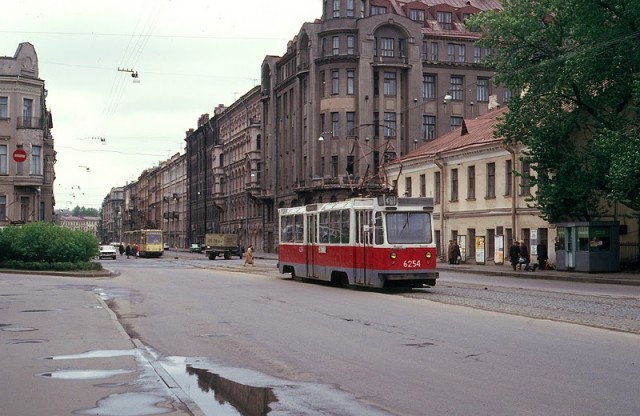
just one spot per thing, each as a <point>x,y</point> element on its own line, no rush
<point>489,346</point>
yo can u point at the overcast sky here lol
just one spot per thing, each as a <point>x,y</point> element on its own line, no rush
<point>190,56</point>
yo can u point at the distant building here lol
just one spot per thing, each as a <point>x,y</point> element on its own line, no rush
<point>27,155</point>
<point>86,224</point>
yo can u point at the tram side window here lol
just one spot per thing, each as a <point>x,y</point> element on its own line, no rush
<point>378,231</point>
<point>363,235</point>
<point>334,232</point>
<point>345,226</point>
<point>298,228</point>
<point>291,229</point>
<point>324,227</point>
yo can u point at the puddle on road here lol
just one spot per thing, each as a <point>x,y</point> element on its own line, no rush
<point>17,329</point>
<point>217,395</point>
<point>215,389</point>
<point>84,374</point>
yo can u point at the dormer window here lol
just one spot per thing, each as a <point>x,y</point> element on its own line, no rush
<point>416,15</point>
<point>445,20</point>
<point>375,10</point>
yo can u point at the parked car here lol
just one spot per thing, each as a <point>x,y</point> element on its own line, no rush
<point>106,251</point>
<point>166,246</point>
<point>195,248</point>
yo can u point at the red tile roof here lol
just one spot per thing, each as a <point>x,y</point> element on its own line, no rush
<point>475,132</point>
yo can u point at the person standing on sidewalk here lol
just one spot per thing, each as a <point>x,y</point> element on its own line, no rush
<point>524,254</point>
<point>450,252</point>
<point>514,254</point>
<point>542,256</point>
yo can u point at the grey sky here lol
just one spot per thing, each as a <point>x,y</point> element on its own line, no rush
<point>190,55</point>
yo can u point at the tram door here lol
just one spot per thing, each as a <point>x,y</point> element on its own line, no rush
<point>312,245</point>
<point>364,228</point>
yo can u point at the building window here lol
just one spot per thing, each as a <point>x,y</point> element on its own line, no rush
<point>456,90</point>
<point>482,90</point>
<point>436,187</point>
<point>428,127</point>
<point>351,123</point>
<point>375,10</point>
<point>390,84</point>
<point>461,53</point>
<point>350,164</point>
<point>36,160</point>
<point>362,8</point>
<point>3,206</point>
<point>454,184</point>
<point>455,122</point>
<point>334,166</point>
<point>3,161</point>
<point>471,182</point>
<point>376,124</point>
<point>508,175</point>
<point>386,47</point>
<point>465,17</point>
<point>416,15</point>
<point>389,124</point>
<point>376,83</point>
<point>323,85</point>
<point>351,8</point>
<point>27,109</point>
<point>445,20</point>
<point>335,124</point>
<point>335,42</point>
<point>477,54</point>
<point>434,51</point>
<point>425,50</point>
<point>491,180</point>
<point>351,45</point>
<point>423,185</point>
<point>4,107</point>
<point>335,82</point>
<point>351,82</point>
<point>507,95</point>
<point>336,8</point>
<point>525,181</point>
<point>451,52</point>
<point>407,186</point>
<point>428,87</point>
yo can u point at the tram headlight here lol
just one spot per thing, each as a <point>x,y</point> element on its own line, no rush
<point>428,254</point>
<point>393,255</point>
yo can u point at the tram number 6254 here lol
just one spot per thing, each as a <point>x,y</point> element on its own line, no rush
<point>410,264</point>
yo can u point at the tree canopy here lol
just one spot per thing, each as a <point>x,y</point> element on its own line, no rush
<point>79,211</point>
<point>573,66</point>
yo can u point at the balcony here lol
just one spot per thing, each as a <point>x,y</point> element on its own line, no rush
<point>29,123</point>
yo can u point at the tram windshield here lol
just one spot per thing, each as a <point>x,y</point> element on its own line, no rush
<point>408,228</point>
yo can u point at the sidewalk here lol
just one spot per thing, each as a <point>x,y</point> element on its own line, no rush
<point>492,269</point>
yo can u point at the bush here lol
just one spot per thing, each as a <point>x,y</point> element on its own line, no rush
<point>41,244</point>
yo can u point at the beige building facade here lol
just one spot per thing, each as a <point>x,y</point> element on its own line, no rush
<point>27,155</point>
<point>478,199</point>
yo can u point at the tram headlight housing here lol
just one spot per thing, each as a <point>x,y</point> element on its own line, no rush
<point>393,255</point>
<point>428,255</point>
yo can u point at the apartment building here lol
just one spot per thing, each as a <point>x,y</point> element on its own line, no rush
<point>366,84</point>
<point>27,154</point>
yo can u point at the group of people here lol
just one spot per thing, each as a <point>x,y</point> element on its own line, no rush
<point>453,252</point>
<point>129,250</point>
<point>520,259</point>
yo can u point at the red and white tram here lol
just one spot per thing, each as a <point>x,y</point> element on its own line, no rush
<point>377,242</point>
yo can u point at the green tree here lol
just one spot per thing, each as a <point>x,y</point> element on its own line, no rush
<point>79,211</point>
<point>574,66</point>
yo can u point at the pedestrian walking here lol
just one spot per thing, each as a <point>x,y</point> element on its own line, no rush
<point>121,249</point>
<point>136,250</point>
<point>128,250</point>
<point>450,252</point>
<point>456,253</point>
<point>248,256</point>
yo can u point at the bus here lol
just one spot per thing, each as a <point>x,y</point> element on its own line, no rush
<point>148,241</point>
<point>375,242</point>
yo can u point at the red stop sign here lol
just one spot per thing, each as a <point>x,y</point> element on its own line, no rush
<point>19,155</point>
